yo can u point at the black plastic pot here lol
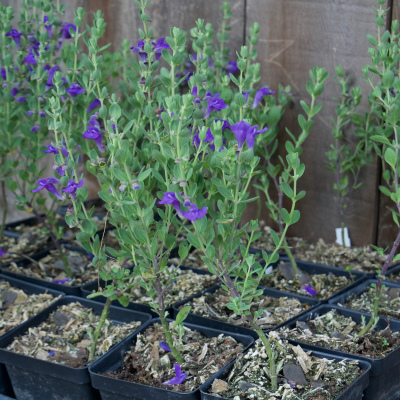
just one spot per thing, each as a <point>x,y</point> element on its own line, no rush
<point>91,287</point>
<point>34,379</point>
<point>69,290</point>
<point>355,291</point>
<point>317,269</point>
<point>116,389</point>
<point>392,270</point>
<point>353,392</point>
<point>5,384</point>
<point>384,382</point>
<point>215,324</point>
<point>9,228</point>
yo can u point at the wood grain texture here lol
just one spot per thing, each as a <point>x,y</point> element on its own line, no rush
<point>295,35</point>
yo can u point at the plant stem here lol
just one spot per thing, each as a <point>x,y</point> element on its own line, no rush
<point>291,257</point>
<point>99,326</point>
<point>5,208</point>
<point>343,241</point>
<point>168,336</point>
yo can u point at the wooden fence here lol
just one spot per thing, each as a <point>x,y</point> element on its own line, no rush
<point>294,36</point>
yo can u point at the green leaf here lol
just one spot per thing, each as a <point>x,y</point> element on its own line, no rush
<point>182,315</point>
<point>275,237</point>
<point>225,192</point>
<point>124,301</point>
<point>372,40</point>
<point>390,157</point>
<point>295,217</point>
<point>385,191</point>
<point>285,216</point>
<point>193,240</point>
<point>115,111</point>
<point>287,190</point>
<point>143,175</point>
<point>380,139</point>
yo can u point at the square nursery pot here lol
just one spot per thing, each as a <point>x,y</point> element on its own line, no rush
<point>91,287</point>
<point>28,288</point>
<point>318,269</point>
<point>353,392</point>
<point>384,382</point>
<point>357,290</point>
<point>9,228</point>
<point>69,290</point>
<point>116,389</point>
<point>390,271</point>
<point>34,379</point>
<point>216,324</point>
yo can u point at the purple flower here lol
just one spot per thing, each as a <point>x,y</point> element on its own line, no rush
<point>260,94</point>
<point>29,113</point>
<point>47,26</point>
<point>214,102</point>
<point>179,378</point>
<point>42,114</point>
<point>246,95</point>
<point>3,252</point>
<point>35,128</point>
<point>91,256</point>
<point>164,346</point>
<point>157,47</point>
<point>72,187</point>
<point>16,37</point>
<point>135,186</point>
<point>94,133</point>
<point>94,104</point>
<point>231,67</point>
<point>194,213</point>
<point>244,131</point>
<point>30,58</point>
<point>140,49</point>
<point>61,282</point>
<point>170,198</point>
<point>48,184</point>
<point>196,138</point>
<point>14,92</point>
<point>65,30</point>
<point>51,149</point>
<point>310,290</point>
<point>3,73</point>
<point>21,99</point>
<point>74,90</point>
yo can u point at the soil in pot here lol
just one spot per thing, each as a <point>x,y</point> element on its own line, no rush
<point>186,284</point>
<point>16,306</point>
<point>363,259</point>
<point>276,310</point>
<point>319,286</point>
<point>389,300</point>
<point>31,241</point>
<point>51,268</point>
<point>301,374</point>
<point>65,336</point>
<point>147,363</point>
<point>337,332</point>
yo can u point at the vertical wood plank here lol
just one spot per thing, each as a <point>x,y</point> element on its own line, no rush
<point>295,35</point>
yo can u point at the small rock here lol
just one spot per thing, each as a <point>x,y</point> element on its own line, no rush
<point>304,327</point>
<point>286,269</point>
<point>9,298</point>
<point>338,335</point>
<point>304,278</point>
<point>60,319</point>
<point>317,384</point>
<point>245,386</point>
<point>219,386</point>
<point>394,293</point>
<point>85,343</point>
<point>165,362</point>
<point>294,373</point>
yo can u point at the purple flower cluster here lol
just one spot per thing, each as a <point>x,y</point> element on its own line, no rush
<point>192,214</point>
<point>48,184</point>
<point>214,102</point>
<point>72,187</point>
<point>157,49</point>
<point>264,91</point>
<point>93,132</point>
<point>244,132</point>
<point>47,26</point>
<point>74,90</point>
